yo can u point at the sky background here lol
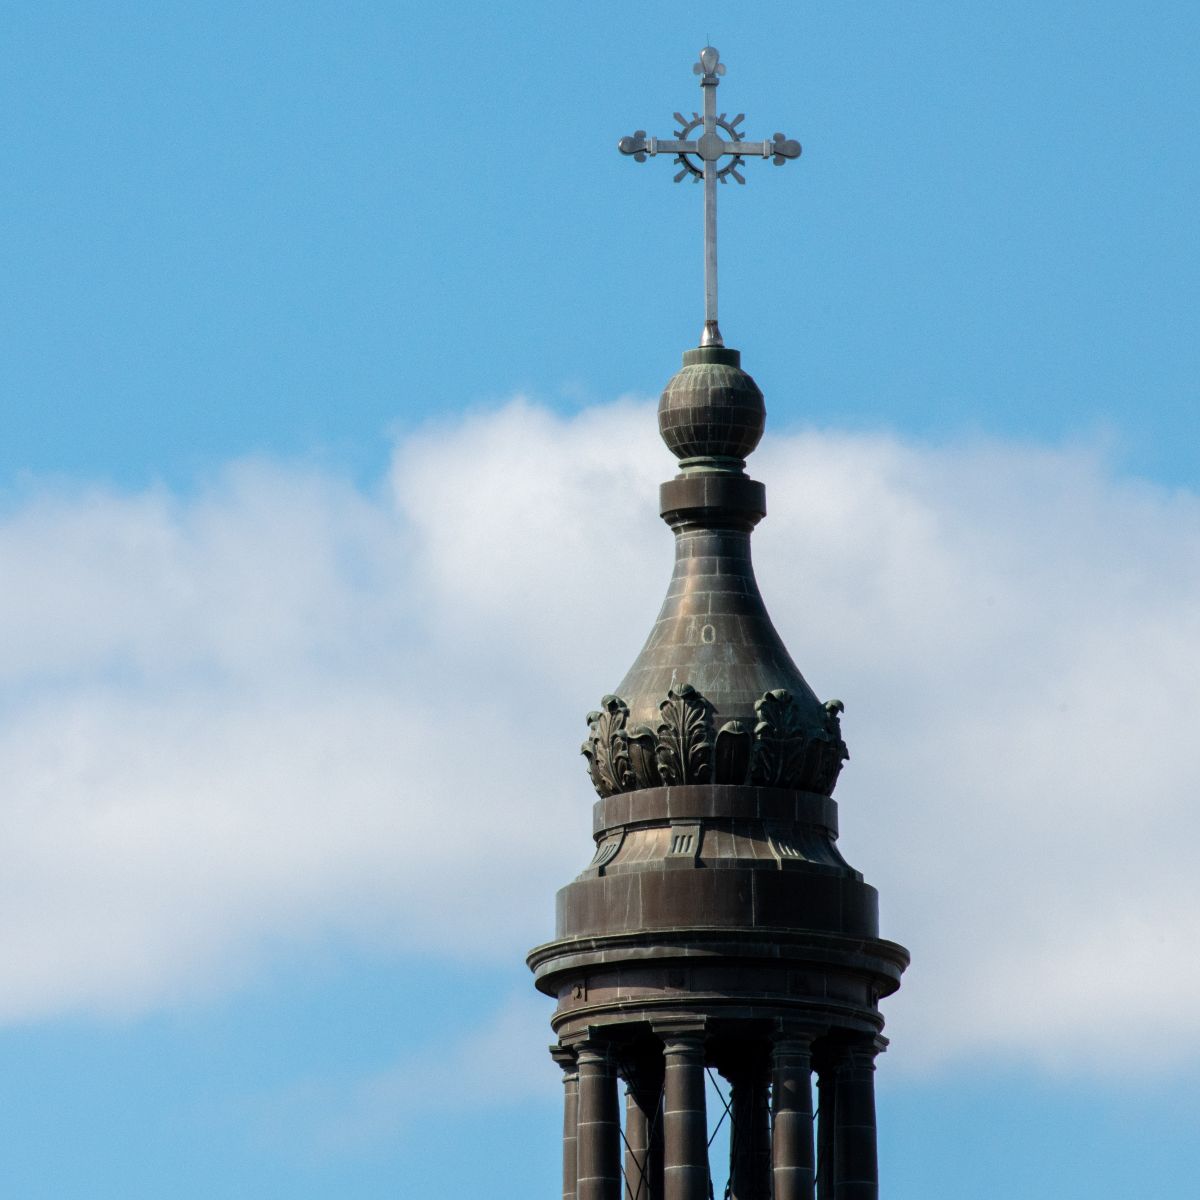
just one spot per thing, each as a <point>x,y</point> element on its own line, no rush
<point>329,343</point>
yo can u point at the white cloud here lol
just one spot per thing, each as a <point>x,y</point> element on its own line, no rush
<point>1018,634</point>
<point>283,709</point>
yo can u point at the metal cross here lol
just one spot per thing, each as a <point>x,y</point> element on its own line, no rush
<point>710,148</point>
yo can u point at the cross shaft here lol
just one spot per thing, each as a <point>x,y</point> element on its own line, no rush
<point>709,149</point>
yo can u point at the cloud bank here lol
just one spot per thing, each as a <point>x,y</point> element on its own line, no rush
<point>283,709</point>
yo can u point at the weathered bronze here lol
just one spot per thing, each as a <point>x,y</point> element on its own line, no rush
<point>717,926</point>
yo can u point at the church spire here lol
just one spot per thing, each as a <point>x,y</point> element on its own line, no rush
<point>717,926</point>
<point>713,635</point>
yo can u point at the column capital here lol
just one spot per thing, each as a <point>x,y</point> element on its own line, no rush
<point>847,1050</point>
<point>681,1037</point>
<point>862,1051</point>
<point>592,1054</point>
<point>790,1040</point>
<point>566,1058</point>
<point>860,1059</point>
<point>590,1046</point>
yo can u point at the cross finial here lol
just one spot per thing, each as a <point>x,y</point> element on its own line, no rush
<point>700,159</point>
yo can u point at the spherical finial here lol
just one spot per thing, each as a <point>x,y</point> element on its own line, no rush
<point>711,414</point>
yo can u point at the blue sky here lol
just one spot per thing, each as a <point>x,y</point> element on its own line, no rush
<point>329,328</point>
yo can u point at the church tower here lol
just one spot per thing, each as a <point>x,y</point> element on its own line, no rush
<point>717,928</point>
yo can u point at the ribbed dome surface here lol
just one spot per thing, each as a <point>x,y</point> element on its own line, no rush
<point>711,408</point>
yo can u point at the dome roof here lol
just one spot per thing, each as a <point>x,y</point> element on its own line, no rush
<point>713,697</point>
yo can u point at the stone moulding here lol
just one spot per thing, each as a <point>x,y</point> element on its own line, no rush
<point>781,750</point>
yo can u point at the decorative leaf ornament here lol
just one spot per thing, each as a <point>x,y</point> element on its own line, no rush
<point>785,748</point>
<point>684,750</point>
<point>643,756</point>
<point>827,753</point>
<point>734,753</point>
<point>779,740</point>
<point>607,750</point>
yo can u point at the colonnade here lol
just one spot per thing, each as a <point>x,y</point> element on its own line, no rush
<point>662,1154</point>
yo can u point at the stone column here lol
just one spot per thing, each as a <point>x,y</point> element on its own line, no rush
<point>826,1119</point>
<point>792,1134</point>
<point>598,1126</point>
<point>856,1165</point>
<point>750,1135</point>
<point>685,1124</point>
<point>565,1057</point>
<point>644,1132</point>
